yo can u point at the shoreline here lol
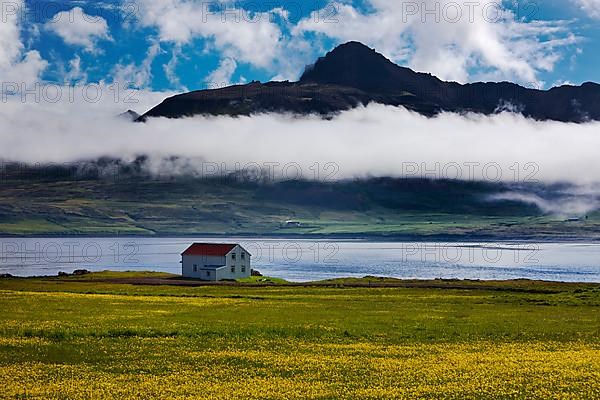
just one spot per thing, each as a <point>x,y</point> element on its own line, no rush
<point>154,278</point>
<point>332,237</point>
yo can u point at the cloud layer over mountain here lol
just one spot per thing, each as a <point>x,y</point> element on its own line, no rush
<point>368,141</point>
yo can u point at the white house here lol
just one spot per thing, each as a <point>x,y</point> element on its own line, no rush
<point>215,262</point>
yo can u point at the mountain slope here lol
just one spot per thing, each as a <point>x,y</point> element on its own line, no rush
<point>68,199</point>
<point>353,74</point>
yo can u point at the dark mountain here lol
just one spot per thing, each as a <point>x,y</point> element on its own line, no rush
<point>129,115</point>
<point>353,74</point>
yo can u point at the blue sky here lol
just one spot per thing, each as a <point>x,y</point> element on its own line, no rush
<point>175,45</point>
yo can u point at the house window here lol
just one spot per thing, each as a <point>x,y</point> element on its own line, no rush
<point>233,256</point>
<point>207,273</point>
<point>243,268</point>
<point>243,256</point>
<point>233,269</point>
<point>195,268</point>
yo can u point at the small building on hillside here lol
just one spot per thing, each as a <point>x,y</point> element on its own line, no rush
<point>292,224</point>
<point>215,262</point>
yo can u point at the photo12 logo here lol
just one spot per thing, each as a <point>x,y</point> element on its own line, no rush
<point>272,171</point>
<point>292,252</point>
<point>475,254</point>
<point>38,252</point>
<point>52,93</point>
<point>468,11</point>
<point>521,172</point>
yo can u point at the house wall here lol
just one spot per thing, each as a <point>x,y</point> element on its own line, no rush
<point>237,263</point>
<point>188,263</point>
<point>222,274</point>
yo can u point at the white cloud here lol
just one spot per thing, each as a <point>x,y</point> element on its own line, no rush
<point>170,68</point>
<point>221,76</point>
<point>252,39</point>
<point>10,40</point>
<point>545,151</point>
<point>75,73</point>
<point>570,204</point>
<point>87,103</point>
<point>77,28</point>
<point>455,41</point>
<point>137,76</point>
<point>16,64</point>
<point>591,7</point>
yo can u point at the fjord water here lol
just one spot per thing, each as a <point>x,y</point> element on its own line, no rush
<point>307,260</point>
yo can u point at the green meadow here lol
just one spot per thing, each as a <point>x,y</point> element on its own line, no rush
<point>95,337</point>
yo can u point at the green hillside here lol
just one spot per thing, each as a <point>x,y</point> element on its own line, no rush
<point>52,204</point>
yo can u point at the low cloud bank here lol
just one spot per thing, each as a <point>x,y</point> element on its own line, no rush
<point>568,204</point>
<point>368,141</point>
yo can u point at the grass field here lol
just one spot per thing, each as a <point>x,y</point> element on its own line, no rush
<point>92,337</point>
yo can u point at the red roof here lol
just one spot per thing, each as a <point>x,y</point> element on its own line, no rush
<point>208,249</point>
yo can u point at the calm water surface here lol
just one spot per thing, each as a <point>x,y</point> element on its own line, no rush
<point>307,260</point>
